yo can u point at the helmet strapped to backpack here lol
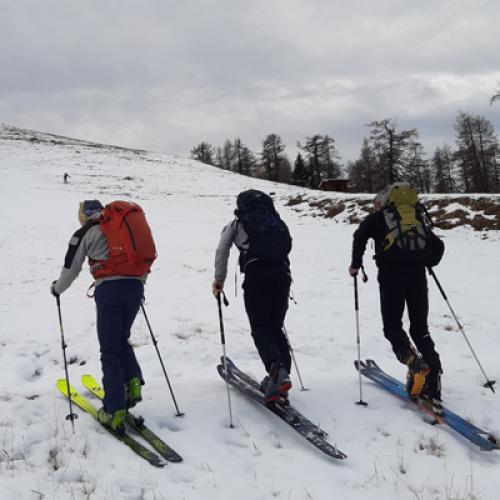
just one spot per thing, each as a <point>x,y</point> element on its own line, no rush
<point>403,217</point>
<point>268,236</point>
<point>131,246</point>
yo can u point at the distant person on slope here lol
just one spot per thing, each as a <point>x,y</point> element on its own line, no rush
<point>66,177</point>
<point>404,246</point>
<point>119,291</point>
<point>264,243</point>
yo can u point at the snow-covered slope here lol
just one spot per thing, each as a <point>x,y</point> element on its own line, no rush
<point>392,453</point>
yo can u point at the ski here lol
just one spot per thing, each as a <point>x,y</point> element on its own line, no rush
<point>86,406</point>
<point>483,439</point>
<point>137,423</point>
<point>287,413</point>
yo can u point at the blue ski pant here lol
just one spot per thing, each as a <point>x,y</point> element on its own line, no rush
<point>118,302</point>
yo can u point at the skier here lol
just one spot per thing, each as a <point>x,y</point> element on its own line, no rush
<point>264,243</point>
<point>402,251</point>
<point>118,298</point>
<point>66,177</point>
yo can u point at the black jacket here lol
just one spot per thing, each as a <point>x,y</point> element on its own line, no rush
<point>374,226</point>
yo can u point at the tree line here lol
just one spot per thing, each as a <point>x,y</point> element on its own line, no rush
<point>387,155</point>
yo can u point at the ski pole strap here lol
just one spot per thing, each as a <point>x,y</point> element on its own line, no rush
<point>224,298</point>
<point>365,277</point>
<point>89,295</point>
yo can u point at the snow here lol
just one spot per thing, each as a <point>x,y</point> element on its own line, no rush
<point>392,452</point>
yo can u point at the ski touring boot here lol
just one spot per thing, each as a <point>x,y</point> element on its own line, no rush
<point>133,392</point>
<point>276,385</point>
<point>115,421</point>
<point>430,397</point>
<point>417,372</point>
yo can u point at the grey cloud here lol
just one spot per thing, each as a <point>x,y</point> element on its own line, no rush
<point>167,74</point>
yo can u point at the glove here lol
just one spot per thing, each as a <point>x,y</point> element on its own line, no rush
<point>217,287</point>
<point>53,289</point>
<point>353,271</point>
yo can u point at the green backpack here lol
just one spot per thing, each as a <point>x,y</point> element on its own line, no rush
<point>404,218</point>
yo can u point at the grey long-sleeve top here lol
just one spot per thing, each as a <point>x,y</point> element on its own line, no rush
<point>88,241</point>
<point>232,233</point>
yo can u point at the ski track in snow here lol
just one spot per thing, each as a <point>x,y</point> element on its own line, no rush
<point>392,453</point>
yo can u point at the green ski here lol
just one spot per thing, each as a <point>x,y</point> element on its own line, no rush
<point>137,423</point>
<point>86,406</point>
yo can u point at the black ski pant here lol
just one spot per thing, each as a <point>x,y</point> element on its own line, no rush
<point>118,302</point>
<point>408,285</point>
<point>266,291</point>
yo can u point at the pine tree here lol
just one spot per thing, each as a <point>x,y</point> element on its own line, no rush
<point>301,172</point>
<point>322,157</point>
<point>272,155</point>
<point>363,171</point>
<point>312,149</point>
<point>203,152</point>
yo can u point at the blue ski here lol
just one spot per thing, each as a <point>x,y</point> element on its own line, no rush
<point>479,437</point>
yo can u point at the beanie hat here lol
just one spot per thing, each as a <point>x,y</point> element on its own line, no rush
<point>89,209</point>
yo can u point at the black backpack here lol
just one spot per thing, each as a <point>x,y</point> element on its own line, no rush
<point>268,236</point>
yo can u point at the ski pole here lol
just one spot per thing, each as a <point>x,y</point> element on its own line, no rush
<point>489,382</point>
<point>223,343</point>
<point>155,343</point>
<point>292,353</point>
<point>358,338</point>
<point>71,415</point>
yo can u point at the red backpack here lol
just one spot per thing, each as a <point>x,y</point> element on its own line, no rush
<point>131,246</point>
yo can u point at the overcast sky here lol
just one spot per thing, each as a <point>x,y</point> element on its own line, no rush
<point>165,75</point>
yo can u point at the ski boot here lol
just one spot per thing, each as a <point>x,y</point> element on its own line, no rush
<point>133,394</point>
<point>415,378</point>
<point>115,421</point>
<point>430,397</point>
<point>278,384</point>
<point>284,397</point>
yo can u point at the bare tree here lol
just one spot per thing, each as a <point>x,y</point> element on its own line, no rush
<point>363,172</point>
<point>442,165</point>
<point>322,157</point>
<point>244,159</point>
<point>477,147</point>
<point>495,97</point>
<point>392,148</point>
